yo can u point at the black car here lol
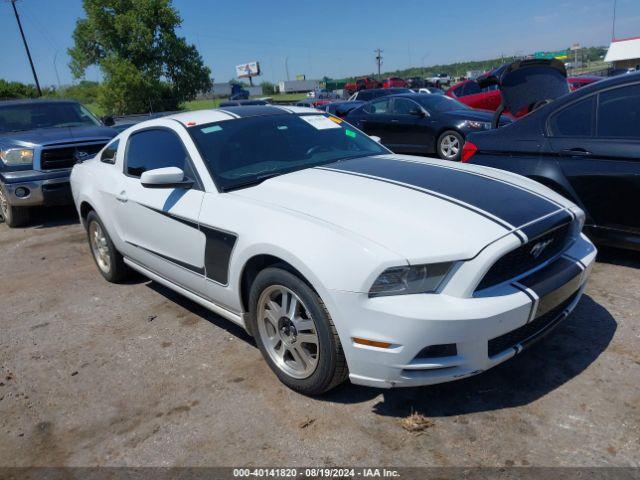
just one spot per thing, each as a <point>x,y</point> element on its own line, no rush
<point>584,145</point>
<point>341,109</point>
<point>372,93</point>
<point>421,124</point>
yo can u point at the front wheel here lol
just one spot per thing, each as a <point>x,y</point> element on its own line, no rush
<point>295,333</point>
<point>450,146</point>
<point>107,258</point>
<point>12,216</point>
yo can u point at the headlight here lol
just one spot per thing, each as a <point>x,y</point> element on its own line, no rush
<point>17,156</point>
<point>478,125</point>
<point>410,279</point>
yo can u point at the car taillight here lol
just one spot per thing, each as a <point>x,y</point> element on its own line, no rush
<point>468,151</point>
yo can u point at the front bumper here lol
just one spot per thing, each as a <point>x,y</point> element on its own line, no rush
<point>42,188</point>
<point>486,330</point>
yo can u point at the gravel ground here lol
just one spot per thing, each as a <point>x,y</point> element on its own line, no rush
<point>98,374</point>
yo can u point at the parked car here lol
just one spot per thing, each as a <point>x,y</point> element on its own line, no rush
<point>341,109</point>
<point>242,103</point>
<point>394,82</point>
<point>420,124</point>
<point>584,146</point>
<point>364,83</point>
<point>470,93</point>
<point>238,93</point>
<point>431,90</point>
<point>583,80</point>
<point>438,80</point>
<point>40,140</point>
<point>415,82</point>
<point>368,95</point>
<point>340,258</point>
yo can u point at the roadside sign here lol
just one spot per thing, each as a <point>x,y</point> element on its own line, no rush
<point>248,70</point>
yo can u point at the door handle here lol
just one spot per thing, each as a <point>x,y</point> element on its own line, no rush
<point>122,197</point>
<point>576,152</point>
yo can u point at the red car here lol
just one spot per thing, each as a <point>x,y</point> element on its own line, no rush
<point>470,93</point>
<point>394,82</point>
<point>578,82</point>
<point>364,83</point>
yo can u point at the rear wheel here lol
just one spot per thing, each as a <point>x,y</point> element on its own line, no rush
<point>107,258</point>
<point>450,146</point>
<point>12,216</point>
<point>295,333</point>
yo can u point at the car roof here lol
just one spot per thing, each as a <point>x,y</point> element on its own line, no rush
<point>200,117</point>
<point>603,84</point>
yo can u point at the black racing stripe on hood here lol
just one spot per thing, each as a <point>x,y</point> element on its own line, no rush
<point>546,224</point>
<point>509,203</point>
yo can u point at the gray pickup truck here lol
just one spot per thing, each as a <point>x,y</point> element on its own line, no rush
<point>40,141</point>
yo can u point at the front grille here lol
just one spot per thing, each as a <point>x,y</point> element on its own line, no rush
<point>520,260</point>
<point>66,157</point>
<point>530,332</point>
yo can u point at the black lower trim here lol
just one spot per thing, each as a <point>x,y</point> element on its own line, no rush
<point>188,266</point>
<point>553,284</point>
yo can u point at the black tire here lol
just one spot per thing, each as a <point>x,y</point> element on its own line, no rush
<point>13,216</point>
<point>441,150</point>
<point>117,270</point>
<point>331,368</point>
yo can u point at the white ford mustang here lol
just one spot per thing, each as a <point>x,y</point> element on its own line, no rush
<point>339,257</point>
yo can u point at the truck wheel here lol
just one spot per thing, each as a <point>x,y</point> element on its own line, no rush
<point>107,258</point>
<point>450,145</point>
<point>12,216</point>
<point>295,333</point>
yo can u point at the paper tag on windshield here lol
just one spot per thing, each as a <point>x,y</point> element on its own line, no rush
<point>319,122</point>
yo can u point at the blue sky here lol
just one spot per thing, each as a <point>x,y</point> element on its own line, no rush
<point>332,37</point>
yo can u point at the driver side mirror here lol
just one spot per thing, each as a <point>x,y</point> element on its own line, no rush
<point>375,138</point>
<point>108,121</point>
<point>418,112</point>
<point>167,177</point>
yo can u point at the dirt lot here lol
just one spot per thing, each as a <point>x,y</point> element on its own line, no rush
<point>101,374</point>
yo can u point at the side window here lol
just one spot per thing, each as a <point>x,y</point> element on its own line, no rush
<point>379,106</point>
<point>459,92</point>
<point>471,88</point>
<point>150,149</point>
<point>574,121</point>
<point>109,153</point>
<point>402,106</point>
<point>619,113</point>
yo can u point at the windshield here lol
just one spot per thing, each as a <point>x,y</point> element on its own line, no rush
<point>440,103</point>
<point>31,116</point>
<point>245,151</point>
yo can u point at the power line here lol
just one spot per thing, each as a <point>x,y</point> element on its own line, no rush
<point>26,47</point>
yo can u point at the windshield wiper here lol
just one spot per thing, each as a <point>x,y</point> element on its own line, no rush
<point>254,181</point>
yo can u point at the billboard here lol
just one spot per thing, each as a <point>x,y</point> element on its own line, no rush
<point>246,70</point>
<point>560,55</point>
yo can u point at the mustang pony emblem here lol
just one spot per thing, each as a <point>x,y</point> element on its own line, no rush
<point>538,248</point>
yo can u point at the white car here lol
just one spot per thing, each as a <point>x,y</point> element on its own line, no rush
<point>339,257</point>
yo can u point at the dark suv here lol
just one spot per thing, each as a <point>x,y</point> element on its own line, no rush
<point>40,141</point>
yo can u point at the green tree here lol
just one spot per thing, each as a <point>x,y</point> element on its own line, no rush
<point>145,65</point>
<point>268,88</point>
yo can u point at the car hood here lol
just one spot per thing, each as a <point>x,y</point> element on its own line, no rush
<point>421,209</point>
<point>472,114</point>
<point>48,136</point>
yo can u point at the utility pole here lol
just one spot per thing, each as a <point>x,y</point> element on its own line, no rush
<point>613,25</point>
<point>378,60</point>
<point>33,69</point>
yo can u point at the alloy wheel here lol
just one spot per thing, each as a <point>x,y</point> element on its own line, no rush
<point>99,246</point>
<point>450,146</point>
<point>288,331</point>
